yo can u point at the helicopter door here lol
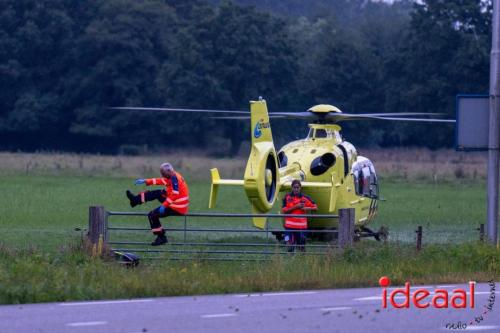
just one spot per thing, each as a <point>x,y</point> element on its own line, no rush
<point>365,177</point>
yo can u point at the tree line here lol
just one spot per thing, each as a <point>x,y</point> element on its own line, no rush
<point>64,63</point>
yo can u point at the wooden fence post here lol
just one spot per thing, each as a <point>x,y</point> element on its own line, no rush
<point>346,227</point>
<point>98,229</point>
<point>419,237</point>
<point>481,232</point>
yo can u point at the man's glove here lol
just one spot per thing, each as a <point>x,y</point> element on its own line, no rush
<point>162,209</point>
<point>140,181</point>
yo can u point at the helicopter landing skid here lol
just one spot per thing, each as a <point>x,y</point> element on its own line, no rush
<point>310,234</point>
<point>364,232</point>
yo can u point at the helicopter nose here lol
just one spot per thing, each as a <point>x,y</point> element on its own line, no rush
<point>269,177</point>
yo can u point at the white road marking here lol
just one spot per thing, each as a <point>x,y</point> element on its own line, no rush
<point>278,294</point>
<point>481,328</point>
<point>336,308</point>
<point>485,292</point>
<point>106,302</point>
<point>219,315</point>
<point>412,287</point>
<point>87,323</point>
<point>291,294</point>
<point>376,298</point>
<point>430,287</point>
<point>369,298</point>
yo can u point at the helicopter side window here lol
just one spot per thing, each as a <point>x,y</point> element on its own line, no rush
<point>282,159</point>
<point>322,163</point>
<point>365,178</point>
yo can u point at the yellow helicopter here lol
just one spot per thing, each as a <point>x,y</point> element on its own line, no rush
<point>329,168</point>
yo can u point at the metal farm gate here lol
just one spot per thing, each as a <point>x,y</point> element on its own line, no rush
<point>109,231</point>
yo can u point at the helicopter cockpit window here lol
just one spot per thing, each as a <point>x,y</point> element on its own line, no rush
<point>321,133</point>
<point>318,133</point>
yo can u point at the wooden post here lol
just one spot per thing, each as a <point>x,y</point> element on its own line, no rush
<point>98,229</point>
<point>419,237</point>
<point>346,227</point>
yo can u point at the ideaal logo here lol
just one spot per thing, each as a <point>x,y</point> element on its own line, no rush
<point>257,131</point>
<point>441,299</point>
<point>419,297</point>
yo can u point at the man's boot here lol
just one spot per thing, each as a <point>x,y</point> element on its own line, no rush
<point>134,199</point>
<point>160,240</point>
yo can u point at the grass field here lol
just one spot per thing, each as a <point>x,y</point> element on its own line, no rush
<point>41,256</point>
<point>44,211</point>
<point>31,276</point>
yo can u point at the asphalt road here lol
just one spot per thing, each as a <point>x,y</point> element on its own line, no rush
<point>342,310</point>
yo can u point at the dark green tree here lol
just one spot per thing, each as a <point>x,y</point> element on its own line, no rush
<point>119,57</point>
<point>35,39</point>
<point>444,52</point>
<point>226,57</point>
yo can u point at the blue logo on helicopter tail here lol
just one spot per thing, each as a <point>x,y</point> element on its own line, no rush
<point>257,133</point>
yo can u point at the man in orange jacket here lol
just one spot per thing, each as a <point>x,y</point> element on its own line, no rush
<point>296,203</point>
<point>174,199</point>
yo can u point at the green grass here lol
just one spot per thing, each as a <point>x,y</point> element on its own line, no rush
<point>448,212</point>
<point>43,211</point>
<point>29,276</point>
<point>41,256</point>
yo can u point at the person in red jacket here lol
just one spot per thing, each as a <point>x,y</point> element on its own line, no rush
<point>174,199</point>
<point>296,203</point>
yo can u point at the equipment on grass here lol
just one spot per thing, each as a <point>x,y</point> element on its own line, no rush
<point>126,258</point>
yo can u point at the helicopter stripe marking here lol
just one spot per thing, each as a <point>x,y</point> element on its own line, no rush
<point>278,294</point>
<point>219,315</point>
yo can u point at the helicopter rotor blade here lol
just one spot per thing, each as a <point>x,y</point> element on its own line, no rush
<point>296,115</point>
<point>349,116</point>
<point>394,114</point>
<point>418,119</point>
<point>246,117</point>
<point>306,115</point>
<point>344,117</point>
<point>130,108</point>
